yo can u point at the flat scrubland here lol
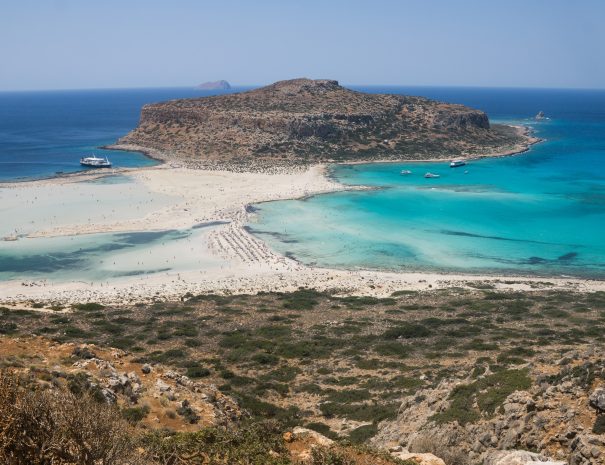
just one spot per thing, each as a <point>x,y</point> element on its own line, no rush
<point>337,365</point>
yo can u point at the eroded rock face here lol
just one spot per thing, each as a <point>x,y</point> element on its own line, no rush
<point>303,121</point>
<point>557,414</point>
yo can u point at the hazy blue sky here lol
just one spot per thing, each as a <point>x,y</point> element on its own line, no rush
<point>65,44</point>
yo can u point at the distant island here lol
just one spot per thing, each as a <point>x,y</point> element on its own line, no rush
<point>214,85</point>
<point>304,121</point>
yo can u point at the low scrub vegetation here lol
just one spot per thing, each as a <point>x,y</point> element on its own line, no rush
<point>310,357</point>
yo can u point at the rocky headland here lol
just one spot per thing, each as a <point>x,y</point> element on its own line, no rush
<point>304,121</point>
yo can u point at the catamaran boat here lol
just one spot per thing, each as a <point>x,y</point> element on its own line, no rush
<point>405,172</point>
<point>457,163</point>
<point>431,175</point>
<point>95,162</point>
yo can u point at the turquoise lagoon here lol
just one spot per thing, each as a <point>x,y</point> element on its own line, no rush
<point>538,213</point>
<point>542,212</point>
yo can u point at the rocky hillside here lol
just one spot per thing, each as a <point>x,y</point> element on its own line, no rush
<point>464,374</point>
<point>303,121</point>
<point>555,406</point>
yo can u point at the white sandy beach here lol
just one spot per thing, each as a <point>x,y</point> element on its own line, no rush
<point>223,258</point>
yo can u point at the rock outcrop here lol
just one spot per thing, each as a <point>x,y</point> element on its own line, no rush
<point>518,457</point>
<point>419,458</point>
<point>557,414</point>
<point>306,121</point>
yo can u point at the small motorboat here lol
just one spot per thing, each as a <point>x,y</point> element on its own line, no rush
<point>431,175</point>
<point>95,162</point>
<point>457,163</point>
<point>405,172</point>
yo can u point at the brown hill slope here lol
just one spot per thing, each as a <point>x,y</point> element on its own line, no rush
<point>304,121</point>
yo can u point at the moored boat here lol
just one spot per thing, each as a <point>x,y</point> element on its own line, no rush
<point>457,163</point>
<point>405,172</point>
<point>95,162</point>
<point>431,175</point>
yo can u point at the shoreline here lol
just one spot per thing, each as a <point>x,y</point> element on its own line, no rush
<point>224,199</point>
<point>163,161</point>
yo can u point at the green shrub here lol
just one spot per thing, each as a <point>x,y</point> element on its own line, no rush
<point>349,395</point>
<point>284,374</point>
<point>322,428</point>
<point>88,307</point>
<point>393,349</point>
<point>253,444</point>
<point>302,299</point>
<point>134,415</point>
<point>265,359</point>
<point>407,331</point>
<point>363,433</point>
<point>197,372</point>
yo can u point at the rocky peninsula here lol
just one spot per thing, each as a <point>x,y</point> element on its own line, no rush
<point>304,121</point>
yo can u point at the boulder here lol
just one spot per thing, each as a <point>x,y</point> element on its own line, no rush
<point>420,458</point>
<point>597,399</point>
<point>518,457</point>
<point>109,396</point>
<point>162,386</point>
<point>586,449</point>
<point>146,369</point>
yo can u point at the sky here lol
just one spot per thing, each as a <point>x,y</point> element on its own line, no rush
<point>80,44</point>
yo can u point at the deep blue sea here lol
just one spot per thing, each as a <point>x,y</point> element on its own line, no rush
<point>539,213</point>
<point>45,132</point>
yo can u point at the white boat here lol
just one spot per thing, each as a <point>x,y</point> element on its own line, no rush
<point>457,163</point>
<point>95,162</point>
<point>405,172</point>
<point>431,175</point>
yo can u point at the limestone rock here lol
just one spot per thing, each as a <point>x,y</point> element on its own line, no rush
<point>420,458</point>
<point>597,399</point>
<point>587,449</point>
<point>162,386</point>
<point>109,396</point>
<point>518,457</point>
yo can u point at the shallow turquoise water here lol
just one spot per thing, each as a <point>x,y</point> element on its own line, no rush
<point>541,213</point>
<point>92,258</point>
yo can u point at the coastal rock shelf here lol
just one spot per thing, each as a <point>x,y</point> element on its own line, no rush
<point>305,121</point>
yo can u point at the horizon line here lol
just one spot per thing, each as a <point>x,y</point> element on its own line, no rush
<point>348,85</point>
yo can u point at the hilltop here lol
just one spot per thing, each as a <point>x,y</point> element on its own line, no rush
<point>303,121</point>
